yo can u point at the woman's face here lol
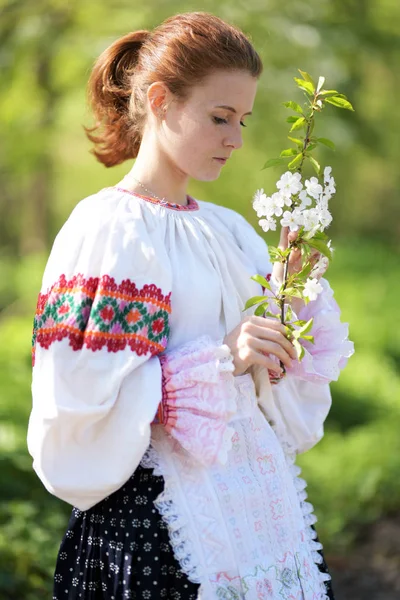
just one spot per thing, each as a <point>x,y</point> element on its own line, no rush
<point>207,126</point>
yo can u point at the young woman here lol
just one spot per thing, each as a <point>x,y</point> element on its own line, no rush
<point>153,411</point>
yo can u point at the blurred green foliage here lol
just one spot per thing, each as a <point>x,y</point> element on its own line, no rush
<point>47,48</point>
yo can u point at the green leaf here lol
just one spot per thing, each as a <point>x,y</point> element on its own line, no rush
<point>340,102</point>
<point>289,152</point>
<point>306,328</point>
<point>254,300</point>
<point>305,251</point>
<point>294,106</point>
<point>293,293</point>
<point>296,141</point>
<point>307,86</point>
<point>311,147</point>
<point>327,142</point>
<point>320,235</point>
<point>299,349</point>
<point>315,164</point>
<point>270,314</point>
<point>300,122</point>
<point>273,162</point>
<point>291,119</point>
<point>321,247</point>
<point>327,93</point>
<point>296,161</point>
<point>305,271</point>
<point>260,310</point>
<point>262,281</point>
<point>301,323</point>
<point>275,254</point>
<point>308,338</point>
<point>307,77</point>
<point>289,313</point>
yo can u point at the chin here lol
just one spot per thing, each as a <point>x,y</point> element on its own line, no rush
<point>206,176</point>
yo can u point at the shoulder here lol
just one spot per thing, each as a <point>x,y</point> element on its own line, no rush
<point>103,210</point>
<point>108,231</point>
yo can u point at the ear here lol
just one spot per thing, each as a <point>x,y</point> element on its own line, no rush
<point>158,96</point>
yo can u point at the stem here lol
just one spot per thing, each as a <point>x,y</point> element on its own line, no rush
<point>285,278</point>
<point>291,245</point>
<point>299,170</point>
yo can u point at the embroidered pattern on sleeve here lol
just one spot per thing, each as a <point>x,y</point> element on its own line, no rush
<point>96,312</point>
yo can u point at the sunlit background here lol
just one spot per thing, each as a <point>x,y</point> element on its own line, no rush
<point>47,48</point>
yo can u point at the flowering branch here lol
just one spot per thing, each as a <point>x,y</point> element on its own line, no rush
<point>303,208</point>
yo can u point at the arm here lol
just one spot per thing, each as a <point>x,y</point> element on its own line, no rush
<point>102,320</point>
<point>299,404</point>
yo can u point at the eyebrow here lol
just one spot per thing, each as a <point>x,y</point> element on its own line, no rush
<point>231,109</point>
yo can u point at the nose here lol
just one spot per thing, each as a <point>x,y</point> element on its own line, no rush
<point>234,140</point>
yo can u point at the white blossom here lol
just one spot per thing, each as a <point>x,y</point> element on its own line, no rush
<point>331,187</point>
<point>312,288</point>
<point>310,219</point>
<point>287,200</point>
<point>267,224</point>
<point>327,174</point>
<point>262,204</point>
<point>324,199</point>
<point>290,184</point>
<point>293,220</point>
<point>320,266</point>
<point>314,188</point>
<point>325,217</point>
<point>304,199</point>
<point>277,203</point>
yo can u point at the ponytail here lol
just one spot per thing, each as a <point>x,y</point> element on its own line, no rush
<point>117,136</point>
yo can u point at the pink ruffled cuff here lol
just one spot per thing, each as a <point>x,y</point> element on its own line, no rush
<point>199,398</point>
<point>331,350</point>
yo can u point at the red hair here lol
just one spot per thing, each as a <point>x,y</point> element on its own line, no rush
<point>180,52</point>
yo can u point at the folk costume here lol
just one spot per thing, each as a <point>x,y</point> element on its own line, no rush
<point>182,476</point>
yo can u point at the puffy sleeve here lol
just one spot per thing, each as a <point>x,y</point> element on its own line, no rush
<point>299,404</point>
<point>102,319</point>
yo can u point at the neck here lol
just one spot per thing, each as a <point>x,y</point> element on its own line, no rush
<point>154,170</point>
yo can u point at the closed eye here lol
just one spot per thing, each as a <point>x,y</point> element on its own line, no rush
<point>220,121</point>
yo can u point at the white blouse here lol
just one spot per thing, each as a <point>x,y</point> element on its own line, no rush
<point>127,281</point>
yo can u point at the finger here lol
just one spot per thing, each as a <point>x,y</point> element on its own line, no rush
<point>283,240</point>
<point>269,347</point>
<point>294,256</point>
<point>276,338</point>
<point>259,358</point>
<point>264,323</point>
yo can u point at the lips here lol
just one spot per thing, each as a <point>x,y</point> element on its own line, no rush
<point>221,160</point>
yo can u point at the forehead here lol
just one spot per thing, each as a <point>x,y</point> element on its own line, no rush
<point>231,88</point>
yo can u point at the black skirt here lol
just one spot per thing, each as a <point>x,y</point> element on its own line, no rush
<point>119,549</point>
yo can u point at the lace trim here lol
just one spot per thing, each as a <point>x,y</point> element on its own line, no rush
<point>178,526</point>
<point>308,515</point>
<point>199,398</point>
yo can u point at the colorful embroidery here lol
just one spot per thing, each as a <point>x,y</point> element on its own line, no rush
<point>191,202</point>
<point>97,312</point>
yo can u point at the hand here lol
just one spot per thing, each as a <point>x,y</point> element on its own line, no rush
<point>254,339</point>
<point>295,262</point>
